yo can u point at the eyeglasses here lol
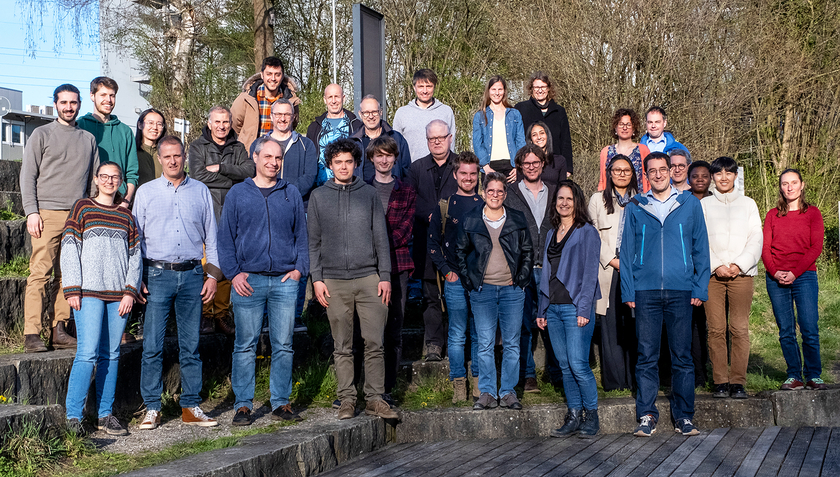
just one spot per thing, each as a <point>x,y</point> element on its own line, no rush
<point>438,138</point>
<point>153,124</point>
<point>531,164</point>
<point>107,178</point>
<point>625,125</point>
<point>678,167</point>
<point>369,114</point>
<point>662,171</point>
<point>621,172</point>
<point>495,192</point>
<point>540,88</point>
<point>282,115</point>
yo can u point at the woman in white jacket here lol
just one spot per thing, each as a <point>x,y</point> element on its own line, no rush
<point>735,239</point>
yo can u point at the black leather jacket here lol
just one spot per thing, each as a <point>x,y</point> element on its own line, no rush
<point>474,245</point>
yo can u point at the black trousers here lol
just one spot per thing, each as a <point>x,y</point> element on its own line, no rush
<point>619,346</point>
<point>435,333</point>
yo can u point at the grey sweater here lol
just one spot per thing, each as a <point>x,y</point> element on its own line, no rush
<point>348,237</point>
<point>411,121</point>
<point>58,167</point>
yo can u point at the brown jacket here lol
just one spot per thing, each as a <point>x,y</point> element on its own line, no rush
<point>246,110</point>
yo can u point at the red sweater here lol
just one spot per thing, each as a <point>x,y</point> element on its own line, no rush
<point>793,242</point>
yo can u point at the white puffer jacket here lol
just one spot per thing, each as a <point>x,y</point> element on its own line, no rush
<point>735,234</point>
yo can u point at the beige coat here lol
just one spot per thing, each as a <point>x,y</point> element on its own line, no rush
<point>245,111</point>
<point>607,226</point>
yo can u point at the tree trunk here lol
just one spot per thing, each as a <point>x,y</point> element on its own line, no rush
<point>784,156</point>
<point>183,31</point>
<point>263,32</point>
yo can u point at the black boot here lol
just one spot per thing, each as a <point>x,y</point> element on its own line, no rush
<point>590,424</point>
<point>570,425</point>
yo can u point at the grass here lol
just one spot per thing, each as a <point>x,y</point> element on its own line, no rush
<point>7,212</point>
<point>16,267</point>
<point>28,453</point>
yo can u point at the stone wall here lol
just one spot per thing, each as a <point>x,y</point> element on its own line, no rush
<point>10,185</point>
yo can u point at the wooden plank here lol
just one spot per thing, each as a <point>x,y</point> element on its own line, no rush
<point>576,459</point>
<point>816,452</point>
<point>452,453</point>
<point>733,458</point>
<point>604,455</point>
<point>796,453</point>
<point>348,467</point>
<point>479,457</point>
<point>670,464</point>
<point>475,450</point>
<point>514,451</point>
<point>548,449</point>
<point>706,449</point>
<point>619,457</point>
<point>575,446</point>
<point>382,460</point>
<point>749,467</point>
<point>776,455</point>
<point>831,463</point>
<point>714,458</point>
<point>653,451</point>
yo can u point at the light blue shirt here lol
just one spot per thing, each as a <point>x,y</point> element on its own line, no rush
<point>656,145</point>
<point>176,224</point>
<point>663,208</point>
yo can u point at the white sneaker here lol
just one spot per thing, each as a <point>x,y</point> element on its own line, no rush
<point>151,421</point>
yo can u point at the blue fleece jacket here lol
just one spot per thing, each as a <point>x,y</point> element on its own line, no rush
<point>668,255</point>
<point>260,234</point>
<point>670,144</point>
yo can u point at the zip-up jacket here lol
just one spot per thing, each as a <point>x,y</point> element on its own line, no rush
<point>670,144</point>
<point>313,132</point>
<point>348,237</point>
<point>474,245</point>
<point>234,165</point>
<point>668,255</point>
<point>515,200</point>
<point>261,234</point>
<point>366,170</point>
<point>300,164</point>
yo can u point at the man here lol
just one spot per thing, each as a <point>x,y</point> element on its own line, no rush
<point>337,123</point>
<point>680,160</point>
<point>251,110</point>
<point>176,223</point>
<point>263,246</point>
<point>300,157</point>
<point>541,107</point>
<point>351,272</point>
<point>432,176</point>
<point>59,162</point>
<point>219,160</point>
<point>374,126</point>
<point>656,138</point>
<point>664,265</point>
<point>534,198</point>
<point>114,139</point>
<point>411,119</point>
<point>443,231</point>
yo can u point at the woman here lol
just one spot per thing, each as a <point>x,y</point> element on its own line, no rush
<point>699,179</point>
<point>495,257</point>
<point>555,169</point>
<point>618,329</point>
<point>734,227</point>
<point>793,239</point>
<point>540,106</point>
<point>625,126</point>
<point>568,290</point>
<point>101,272</point>
<point>151,126</point>
<point>496,142</point>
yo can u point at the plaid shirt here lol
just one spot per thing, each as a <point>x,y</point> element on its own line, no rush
<point>400,221</point>
<point>265,111</point>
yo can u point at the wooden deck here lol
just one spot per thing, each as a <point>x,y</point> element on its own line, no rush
<point>767,451</point>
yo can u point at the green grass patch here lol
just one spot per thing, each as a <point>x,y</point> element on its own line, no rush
<point>16,267</point>
<point>7,212</point>
<point>28,453</point>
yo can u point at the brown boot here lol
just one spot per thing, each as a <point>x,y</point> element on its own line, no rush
<point>60,338</point>
<point>33,344</point>
<point>207,325</point>
<point>224,323</point>
<point>128,338</point>
<point>459,388</point>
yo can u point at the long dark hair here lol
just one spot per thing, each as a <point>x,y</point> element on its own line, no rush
<point>118,198</point>
<point>549,143</point>
<point>781,204</point>
<point>485,101</point>
<point>141,122</point>
<point>633,187</point>
<point>581,210</point>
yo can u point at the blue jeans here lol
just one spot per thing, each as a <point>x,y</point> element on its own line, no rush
<point>99,329</point>
<point>500,306</point>
<point>459,314</point>
<point>571,346</point>
<point>184,290</point>
<point>280,298</point>
<point>653,307</point>
<point>803,293</point>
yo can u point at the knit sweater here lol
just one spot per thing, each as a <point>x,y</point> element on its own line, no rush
<point>734,227</point>
<point>792,242</point>
<point>100,252</point>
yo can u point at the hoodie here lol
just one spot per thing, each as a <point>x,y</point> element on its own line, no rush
<point>233,161</point>
<point>411,120</point>
<point>116,144</point>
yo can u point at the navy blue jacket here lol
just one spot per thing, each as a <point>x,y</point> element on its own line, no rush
<point>300,164</point>
<point>366,170</point>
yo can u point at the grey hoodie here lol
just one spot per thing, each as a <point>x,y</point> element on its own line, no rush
<point>348,237</point>
<point>411,121</point>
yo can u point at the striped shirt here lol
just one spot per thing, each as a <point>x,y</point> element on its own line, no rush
<point>100,252</point>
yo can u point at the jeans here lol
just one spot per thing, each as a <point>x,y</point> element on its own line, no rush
<point>653,307</point>
<point>184,290</point>
<point>803,293</point>
<point>527,367</point>
<point>99,329</point>
<point>280,298</point>
<point>571,346</point>
<point>458,310</point>
<point>500,306</point>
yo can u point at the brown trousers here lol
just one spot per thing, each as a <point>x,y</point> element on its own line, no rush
<point>45,259</point>
<point>739,292</point>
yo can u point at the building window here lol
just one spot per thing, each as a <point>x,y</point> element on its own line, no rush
<point>13,133</point>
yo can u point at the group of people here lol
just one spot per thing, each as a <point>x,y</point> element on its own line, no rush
<point>502,237</point>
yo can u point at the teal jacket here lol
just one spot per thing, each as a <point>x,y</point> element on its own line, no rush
<point>116,144</point>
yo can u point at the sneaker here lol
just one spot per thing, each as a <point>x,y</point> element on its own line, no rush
<point>792,384</point>
<point>242,417</point>
<point>299,326</point>
<point>380,408</point>
<point>285,413</point>
<point>194,416</point>
<point>75,427</point>
<point>531,385</point>
<point>336,404</point>
<point>685,427</point>
<point>647,426</point>
<point>151,421</point>
<point>434,353</point>
<point>459,388</point>
<point>510,401</point>
<point>737,391</point>
<point>816,384</point>
<point>721,390</point>
<point>347,410</point>
<point>111,425</point>
<point>476,393</point>
<point>485,401</point>
<point>571,424</point>
<point>390,400</point>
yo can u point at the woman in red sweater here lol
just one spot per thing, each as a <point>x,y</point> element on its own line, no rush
<point>793,239</point>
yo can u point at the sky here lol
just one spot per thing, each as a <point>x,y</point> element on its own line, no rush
<point>38,77</point>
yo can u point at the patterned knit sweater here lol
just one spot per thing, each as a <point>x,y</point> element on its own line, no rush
<point>100,252</point>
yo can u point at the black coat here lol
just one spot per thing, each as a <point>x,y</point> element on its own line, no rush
<point>556,120</point>
<point>474,245</point>
<point>515,200</point>
<point>234,166</point>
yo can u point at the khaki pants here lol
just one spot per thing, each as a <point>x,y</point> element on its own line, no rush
<point>739,291</point>
<point>345,297</point>
<point>221,301</point>
<point>44,261</point>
